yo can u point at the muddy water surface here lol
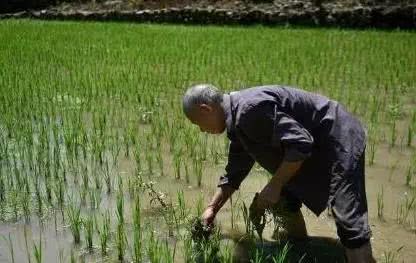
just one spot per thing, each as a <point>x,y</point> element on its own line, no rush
<point>388,173</point>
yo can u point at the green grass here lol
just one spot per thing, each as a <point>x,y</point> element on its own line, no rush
<point>104,232</point>
<point>87,106</point>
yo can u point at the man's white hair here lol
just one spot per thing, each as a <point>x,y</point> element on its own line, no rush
<point>200,94</point>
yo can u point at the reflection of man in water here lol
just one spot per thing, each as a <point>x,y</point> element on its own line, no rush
<point>312,146</point>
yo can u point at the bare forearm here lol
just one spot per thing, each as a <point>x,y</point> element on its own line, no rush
<point>285,172</point>
<point>220,197</point>
<point>270,194</point>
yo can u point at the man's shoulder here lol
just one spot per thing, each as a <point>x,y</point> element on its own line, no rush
<point>245,99</point>
<point>253,104</point>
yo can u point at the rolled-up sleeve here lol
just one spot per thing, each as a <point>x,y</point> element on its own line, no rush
<point>296,140</point>
<point>238,166</point>
<point>263,123</point>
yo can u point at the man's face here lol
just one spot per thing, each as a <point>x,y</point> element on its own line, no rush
<point>209,118</point>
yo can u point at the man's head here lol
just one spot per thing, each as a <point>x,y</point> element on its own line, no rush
<point>202,105</point>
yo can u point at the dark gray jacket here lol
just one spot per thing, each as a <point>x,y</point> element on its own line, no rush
<point>269,124</point>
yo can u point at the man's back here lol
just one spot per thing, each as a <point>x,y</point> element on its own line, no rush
<point>314,112</point>
<point>273,121</point>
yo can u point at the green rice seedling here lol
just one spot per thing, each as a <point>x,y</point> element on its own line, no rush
<point>246,218</point>
<point>172,139</point>
<point>2,189</point>
<point>149,160</point>
<point>14,201</point>
<point>183,211</point>
<point>282,256</point>
<point>232,213</point>
<point>74,215</point>
<point>211,248</point>
<point>234,209</point>
<point>187,249</point>
<point>391,256</point>
<point>206,241</point>
<point>214,152</point>
<point>257,256</point>
<point>2,211</point>
<point>226,254</point>
<point>88,223</point>
<point>204,147</point>
<point>394,112</point>
<point>404,208</point>
<point>83,193</point>
<point>26,245</point>
<point>121,238</point>
<point>75,175</point>
<point>380,204</point>
<point>171,219</point>
<point>186,168</point>
<point>137,232</point>
<point>159,252</point>
<point>374,109</point>
<point>48,190</point>
<point>132,132</point>
<point>107,177</point>
<point>85,178</point>
<point>115,152</point>
<point>198,171</point>
<point>372,150</point>
<point>167,255</point>
<point>72,258</point>
<point>131,186</point>
<point>97,179</point>
<point>59,190</point>
<point>411,170</point>
<point>95,199</point>
<point>410,134</point>
<point>27,190</point>
<point>153,249</point>
<point>26,207</point>
<point>137,159</point>
<point>177,160</point>
<point>121,241</point>
<point>199,205</point>
<point>411,129</point>
<point>120,206</point>
<point>160,161</point>
<point>55,221</point>
<point>37,250</point>
<point>126,141</point>
<point>104,233</point>
<point>409,175</point>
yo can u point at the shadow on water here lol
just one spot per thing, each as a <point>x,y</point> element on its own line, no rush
<point>314,249</point>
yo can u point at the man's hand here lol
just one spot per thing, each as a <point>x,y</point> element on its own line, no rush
<point>208,216</point>
<point>257,216</point>
<point>220,197</point>
<point>362,254</point>
<point>270,195</point>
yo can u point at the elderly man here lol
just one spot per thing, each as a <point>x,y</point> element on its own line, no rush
<point>310,144</point>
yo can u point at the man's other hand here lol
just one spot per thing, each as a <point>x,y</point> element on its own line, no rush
<point>362,254</point>
<point>208,216</point>
<point>268,197</point>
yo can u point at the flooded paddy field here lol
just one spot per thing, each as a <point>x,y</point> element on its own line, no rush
<point>99,164</point>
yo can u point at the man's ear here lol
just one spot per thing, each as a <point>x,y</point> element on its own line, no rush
<point>205,108</point>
